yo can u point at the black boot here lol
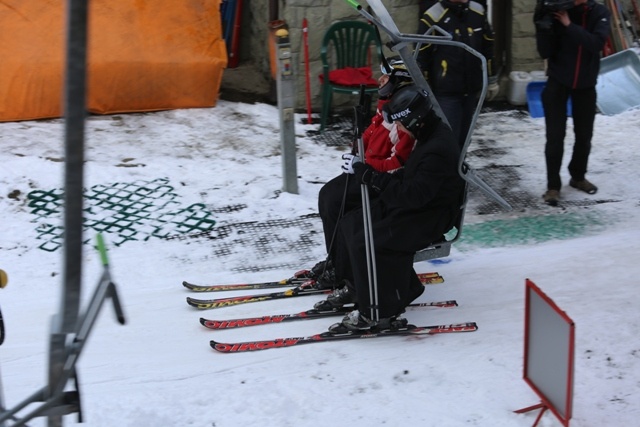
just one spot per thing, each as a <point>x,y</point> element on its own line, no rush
<point>358,322</point>
<point>338,298</point>
<point>325,275</point>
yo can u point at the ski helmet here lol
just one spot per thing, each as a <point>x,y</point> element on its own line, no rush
<point>398,76</point>
<point>410,106</point>
<point>391,64</point>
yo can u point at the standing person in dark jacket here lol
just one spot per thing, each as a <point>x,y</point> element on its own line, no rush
<point>455,75</point>
<point>414,207</point>
<point>570,41</point>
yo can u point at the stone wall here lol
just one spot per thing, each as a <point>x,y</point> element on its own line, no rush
<point>524,56</point>
<point>320,14</point>
<point>520,45</point>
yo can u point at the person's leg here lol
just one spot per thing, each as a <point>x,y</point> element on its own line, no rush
<point>469,104</point>
<point>394,269</point>
<point>340,190</point>
<point>584,113</point>
<point>344,293</point>
<point>395,276</point>
<point>350,229</point>
<point>416,288</point>
<point>452,108</point>
<point>554,101</point>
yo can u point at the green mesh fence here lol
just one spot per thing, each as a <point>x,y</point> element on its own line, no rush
<point>125,211</point>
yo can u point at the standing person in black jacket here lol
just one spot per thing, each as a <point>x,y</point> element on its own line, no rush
<point>414,207</point>
<point>455,75</point>
<point>570,34</point>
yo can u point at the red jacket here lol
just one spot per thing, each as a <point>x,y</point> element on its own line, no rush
<point>386,148</point>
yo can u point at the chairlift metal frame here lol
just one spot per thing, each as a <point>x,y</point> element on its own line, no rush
<point>401,43</point>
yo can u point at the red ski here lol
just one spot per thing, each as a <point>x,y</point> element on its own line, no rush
<point>303,315</point>
<point>242,347</point>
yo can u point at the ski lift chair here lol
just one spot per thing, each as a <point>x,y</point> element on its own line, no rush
<point>347,44</point>
<point>442,248</point>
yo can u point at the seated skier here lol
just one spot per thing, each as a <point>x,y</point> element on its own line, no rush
<point>413,208</point>
<point>386,150</point>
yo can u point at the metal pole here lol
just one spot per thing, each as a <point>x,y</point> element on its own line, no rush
<point>66,320</point>
<point>75,112</point>
<point>369,244</point>
<point>286,103</point>
<point>360,112</point>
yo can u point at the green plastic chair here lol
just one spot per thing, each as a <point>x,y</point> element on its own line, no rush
<point>346,44</point>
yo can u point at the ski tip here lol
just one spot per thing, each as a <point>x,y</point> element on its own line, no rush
<point>203,321</point>
<point>220,347</point>
<point>192,302</point>
<point>199,304</point>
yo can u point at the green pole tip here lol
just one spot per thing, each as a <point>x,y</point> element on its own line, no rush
<point>102,249</point>
<point>354,3</point>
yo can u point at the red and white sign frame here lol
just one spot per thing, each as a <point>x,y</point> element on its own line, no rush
<point>549,352</point>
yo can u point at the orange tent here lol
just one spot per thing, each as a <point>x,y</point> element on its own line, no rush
<point>143,55</point>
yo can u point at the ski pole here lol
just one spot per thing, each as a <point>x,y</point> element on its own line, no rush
<point>366,212</point>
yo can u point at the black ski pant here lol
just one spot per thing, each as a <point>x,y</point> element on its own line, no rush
<point>459,111</point>
<point>397,282</point>
<point>345,189</point>
<point>583,103</point>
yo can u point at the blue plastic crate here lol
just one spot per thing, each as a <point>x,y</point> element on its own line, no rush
<point>534,100</point>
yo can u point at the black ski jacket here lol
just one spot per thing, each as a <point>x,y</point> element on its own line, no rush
<point>420,202</point>
<point>451,70</point>
<point>573,52</point>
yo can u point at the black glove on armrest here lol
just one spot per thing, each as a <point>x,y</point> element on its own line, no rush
<point>367,175</point>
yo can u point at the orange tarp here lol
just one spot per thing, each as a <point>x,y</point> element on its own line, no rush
<point>143,55</point>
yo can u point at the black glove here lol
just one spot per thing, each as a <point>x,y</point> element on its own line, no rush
<point>364,173</point>
<point>367,175</point>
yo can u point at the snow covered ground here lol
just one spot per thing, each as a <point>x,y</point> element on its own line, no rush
<point>158,369</point>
